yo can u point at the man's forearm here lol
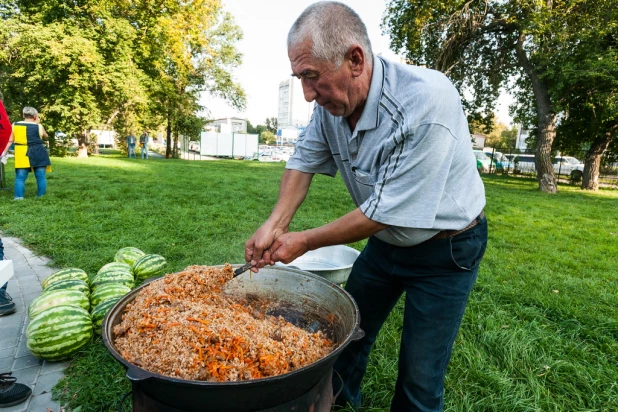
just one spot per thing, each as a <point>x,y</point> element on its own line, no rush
<point>349,228</point>
<point>292,192</point>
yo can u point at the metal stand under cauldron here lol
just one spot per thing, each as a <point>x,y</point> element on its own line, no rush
<point>320,398</point>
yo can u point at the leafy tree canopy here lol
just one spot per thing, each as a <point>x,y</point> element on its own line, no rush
<point>520,45</point>
<point>120,63</point>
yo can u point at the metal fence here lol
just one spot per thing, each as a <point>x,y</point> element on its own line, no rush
<point>568,167</point>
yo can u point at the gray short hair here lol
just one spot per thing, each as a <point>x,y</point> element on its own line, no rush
<point>29,112</point>
<point>332,27</point>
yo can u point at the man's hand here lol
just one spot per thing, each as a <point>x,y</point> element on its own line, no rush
<point>288,247</point>
<point>258,246</point>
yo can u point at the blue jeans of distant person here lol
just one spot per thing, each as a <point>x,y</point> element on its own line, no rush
<point>20,181</point>
<point>131,150</point>
<point>145,150</point>
<point>437,277</point>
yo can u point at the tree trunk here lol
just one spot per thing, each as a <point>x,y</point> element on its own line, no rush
<point>111,118</point>
<point>82,144</point>
<point>168,149</point>
<point>590,178</point>
<point>546,122</point>
<point>175,147</point>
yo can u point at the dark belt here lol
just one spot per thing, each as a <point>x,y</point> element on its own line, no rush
<point>445,234</point>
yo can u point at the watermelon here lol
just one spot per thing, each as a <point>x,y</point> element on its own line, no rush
<point>99,312</point>
<point>108,291</point>
<point>120,277</point>
<point>148,266</point>
<point>69,273</point>
<point>72,284</point>
<point>128,255</point>
<point>58,332</point>
<point>116,267</point>
<point>64,297</point>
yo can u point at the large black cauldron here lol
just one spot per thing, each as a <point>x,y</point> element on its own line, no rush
<point>302,298</point>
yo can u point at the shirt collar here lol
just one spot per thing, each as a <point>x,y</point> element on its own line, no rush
<point>369,118</point>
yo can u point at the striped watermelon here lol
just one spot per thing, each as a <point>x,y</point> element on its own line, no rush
<point>59,332</point>
<point>119,277</point>
<point>99,312</point>
<point>148,266</point>
<point>116,267</point>
<point>72,284</point>
<point>69,273</point>
<point>64,297</point>
<point>106,292</point>
<point>128,255</point>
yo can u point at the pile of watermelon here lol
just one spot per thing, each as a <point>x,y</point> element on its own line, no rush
<point>73,304</point>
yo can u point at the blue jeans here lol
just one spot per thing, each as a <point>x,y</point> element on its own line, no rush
<point>145,150</point>
<point>20,181</point>
<point>437,277</point>
<point>131,150</point>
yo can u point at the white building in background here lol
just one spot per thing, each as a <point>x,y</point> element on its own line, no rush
<point>229,125</point>
<point>522,135</point>
<point>105,138</point>
<point>294,110</point>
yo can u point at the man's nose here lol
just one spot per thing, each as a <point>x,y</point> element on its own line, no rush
<point>309,92</point>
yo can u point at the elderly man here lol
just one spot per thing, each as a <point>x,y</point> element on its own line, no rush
<point>400,139</point>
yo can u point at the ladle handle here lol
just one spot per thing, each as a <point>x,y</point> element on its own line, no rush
<point>242,269</point>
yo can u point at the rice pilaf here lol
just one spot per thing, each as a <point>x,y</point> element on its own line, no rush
<point>182,326</point>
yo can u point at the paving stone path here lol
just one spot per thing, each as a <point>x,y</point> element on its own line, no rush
<point>24,287</point>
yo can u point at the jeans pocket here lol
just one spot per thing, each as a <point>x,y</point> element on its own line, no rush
<point>467,250</point>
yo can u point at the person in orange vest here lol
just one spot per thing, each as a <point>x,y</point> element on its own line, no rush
<point>30,152</point>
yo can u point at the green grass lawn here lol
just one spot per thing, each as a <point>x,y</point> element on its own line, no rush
<point>540,332</point>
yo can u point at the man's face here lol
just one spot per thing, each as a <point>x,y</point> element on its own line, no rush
<point>329,87</point>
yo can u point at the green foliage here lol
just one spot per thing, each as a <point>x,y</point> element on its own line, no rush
<point>267,137</point>
<point>271,124</point>
<point>255,130</point>
<point>59,146</point>
<point>552,55</point>
<point>586,80</point>
<point>117,64</point>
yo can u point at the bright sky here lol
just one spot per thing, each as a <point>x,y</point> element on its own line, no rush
<point>265,25</point>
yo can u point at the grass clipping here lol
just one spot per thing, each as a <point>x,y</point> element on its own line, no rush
<point>183,327</point>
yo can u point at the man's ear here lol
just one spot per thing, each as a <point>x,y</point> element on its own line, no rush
<point>356,59</point>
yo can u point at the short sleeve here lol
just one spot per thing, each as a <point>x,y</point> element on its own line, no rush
<point>312,153</point>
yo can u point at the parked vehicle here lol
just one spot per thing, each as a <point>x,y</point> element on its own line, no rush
<point>483,162</point>
<point>499,159</point>
<point>273,156</point>
<point>280,156</point>
<point>522,163</point>
<point>568,165</point>
<point>194,146</point>
<point>563,165</point>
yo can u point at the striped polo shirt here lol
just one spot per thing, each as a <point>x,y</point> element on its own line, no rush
<point>409,163</point>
